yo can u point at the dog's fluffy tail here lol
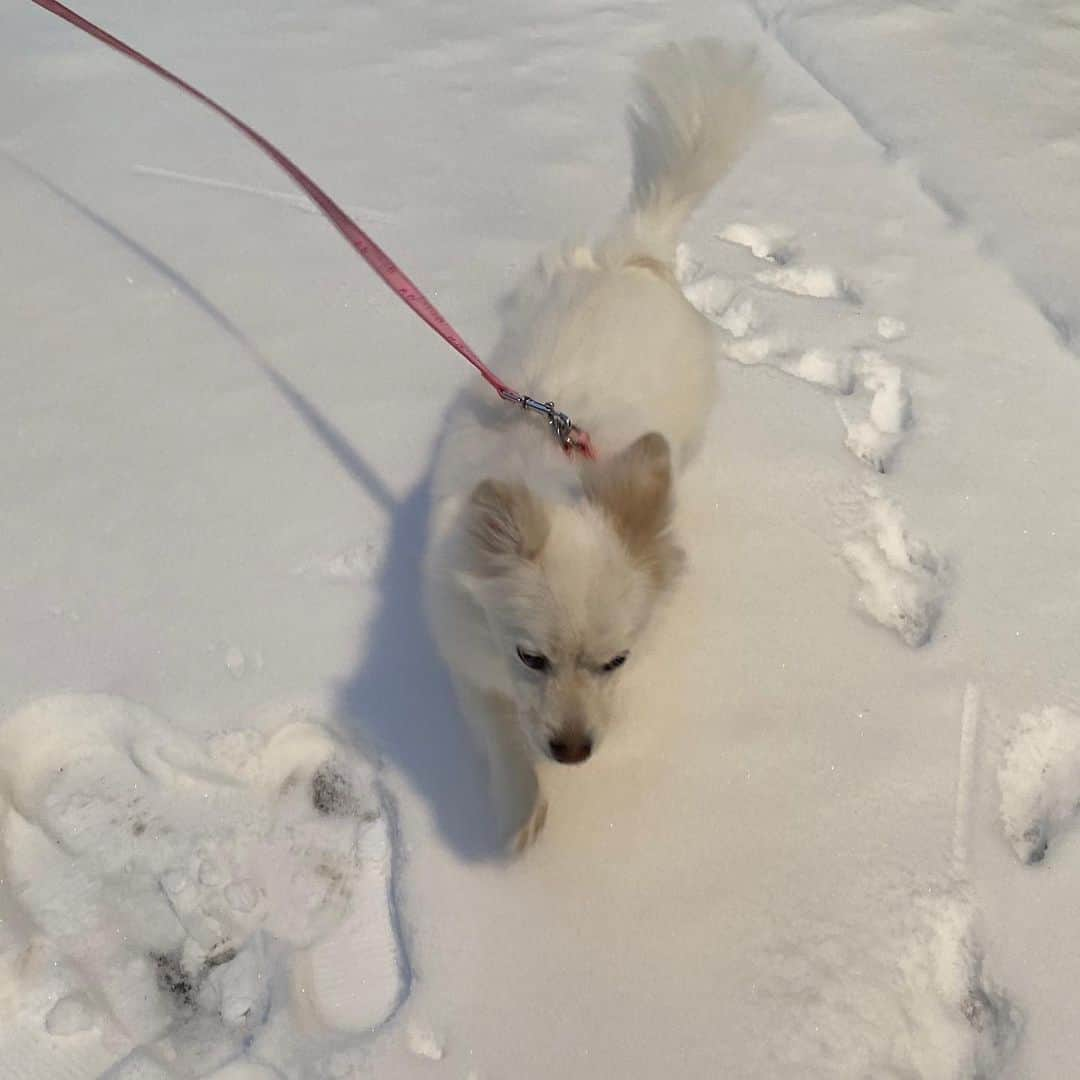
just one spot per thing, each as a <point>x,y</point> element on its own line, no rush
<point>694,109</point>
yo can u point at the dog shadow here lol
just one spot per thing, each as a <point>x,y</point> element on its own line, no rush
<point>397,700</point>
<point>400,701</point>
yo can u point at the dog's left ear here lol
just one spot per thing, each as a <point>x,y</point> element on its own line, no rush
<point>634,488</point>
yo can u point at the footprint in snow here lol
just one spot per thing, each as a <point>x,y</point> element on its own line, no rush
<point>711,295</point>
<point>875,436</point>
<point>901,578</point>
<point>913,995</point>
<point>876,424</point>
<point>187,892</point>
<point>715,296</point>
<point>820,367</point>
<point>1039,781</point>
<point>720,300</point>
<point>774,244</point>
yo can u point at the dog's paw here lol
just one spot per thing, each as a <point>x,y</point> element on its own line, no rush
<point>526,836</point>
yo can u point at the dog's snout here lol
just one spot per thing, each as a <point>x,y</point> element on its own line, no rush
<point>570,749</point>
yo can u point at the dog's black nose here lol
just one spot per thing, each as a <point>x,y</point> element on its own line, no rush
<point>570,749</point>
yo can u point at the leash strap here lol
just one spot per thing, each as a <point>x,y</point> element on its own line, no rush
<point>571,438</point>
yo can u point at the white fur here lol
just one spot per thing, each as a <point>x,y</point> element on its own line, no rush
<point>604,331</point>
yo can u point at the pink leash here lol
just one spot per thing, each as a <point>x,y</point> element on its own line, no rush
<point>571,438</point>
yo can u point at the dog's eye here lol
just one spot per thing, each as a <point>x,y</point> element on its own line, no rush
<point>615,662</point>
<point>536,661</point>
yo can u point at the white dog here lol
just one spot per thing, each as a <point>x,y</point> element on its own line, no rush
<point>543,569</point>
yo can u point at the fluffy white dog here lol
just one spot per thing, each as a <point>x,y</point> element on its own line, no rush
<point>543,569</point>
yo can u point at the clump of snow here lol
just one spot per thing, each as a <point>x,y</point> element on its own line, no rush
<point>710,295</point>
<point>423,1042</point>
<point>901,577</point>
<point>890,328</point>
<point>359,562</point>
<point>890,407</point>
<point>739,318</point>
<point>823,368</point>
<point>240,664</point>
<point>818,282</point>
<point>714,295</point>
<point>1039,780</point>
<point>178,882</point>
<point>771,242</point>
<point>757,350</point>
<point>687,266</point>
<point>875,437</point>
<point>869,443</point>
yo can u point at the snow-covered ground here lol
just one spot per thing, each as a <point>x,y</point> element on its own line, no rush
<point>243,834</point>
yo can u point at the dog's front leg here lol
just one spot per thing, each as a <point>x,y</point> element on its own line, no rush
<point>519,803</point>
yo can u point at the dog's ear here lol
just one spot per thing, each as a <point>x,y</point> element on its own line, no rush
<point>634,488</point>
<point>505,521</point>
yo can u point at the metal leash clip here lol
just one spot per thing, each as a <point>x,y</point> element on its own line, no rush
<point>562,427</point>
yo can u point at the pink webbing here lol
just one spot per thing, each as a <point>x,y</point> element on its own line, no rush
<point>368,250</point>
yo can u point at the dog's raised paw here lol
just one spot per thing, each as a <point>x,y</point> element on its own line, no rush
<point>526,836</point>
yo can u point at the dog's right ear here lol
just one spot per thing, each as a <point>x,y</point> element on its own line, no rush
<point>505,521</point>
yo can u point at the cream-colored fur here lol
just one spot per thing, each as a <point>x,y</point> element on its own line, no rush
<point>541,571</point>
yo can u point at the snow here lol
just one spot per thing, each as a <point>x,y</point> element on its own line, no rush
<point>952,89</point>
<point>798,856</point>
